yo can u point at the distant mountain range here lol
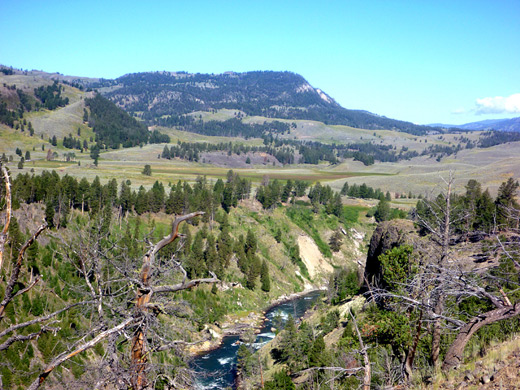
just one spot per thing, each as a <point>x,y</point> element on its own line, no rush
<point>512,124</point>
<point>164,97</point>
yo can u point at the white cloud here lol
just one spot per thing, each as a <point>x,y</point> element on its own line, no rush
<point>498,104</point>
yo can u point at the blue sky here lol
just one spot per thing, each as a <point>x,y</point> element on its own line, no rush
<point>422,61</point>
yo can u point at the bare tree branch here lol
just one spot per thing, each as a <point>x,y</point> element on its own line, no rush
<point>5,231</point>
<point>13,339</point>
<point>16,271</point>
<point>184,285</point>
<point>41,319</point>
<point>367,377</point>
<point>64,357</point>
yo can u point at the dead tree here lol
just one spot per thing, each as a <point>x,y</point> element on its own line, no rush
<point>488,288</point>
<point>457,284</point>
<point>143,301</point>
<point>110,283</point>
<point>5,230</point>
<point>438,225</point>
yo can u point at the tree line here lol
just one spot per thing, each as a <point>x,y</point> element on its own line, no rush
<point>61,194</point>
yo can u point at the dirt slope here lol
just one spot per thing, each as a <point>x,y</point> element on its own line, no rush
<point>312,257</point>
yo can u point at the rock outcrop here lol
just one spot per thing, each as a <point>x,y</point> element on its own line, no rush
<point>388,235</point>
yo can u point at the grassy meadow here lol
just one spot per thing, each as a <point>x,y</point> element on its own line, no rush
<point>419,175</point>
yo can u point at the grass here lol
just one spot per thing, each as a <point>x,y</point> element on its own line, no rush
<point>497,352</point>
<point>304,219</point>
<point>420,175</point>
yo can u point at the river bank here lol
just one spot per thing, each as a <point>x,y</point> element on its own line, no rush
<point>254,321</point>
<point>217,369</point>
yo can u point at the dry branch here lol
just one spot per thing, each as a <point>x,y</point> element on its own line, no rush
<point>16,271</point>
<point>64,357</point>
<point>5,231</point>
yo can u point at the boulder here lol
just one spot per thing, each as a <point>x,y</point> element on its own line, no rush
<point>388,235</point>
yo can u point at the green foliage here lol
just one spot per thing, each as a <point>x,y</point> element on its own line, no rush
<point>244,365</point>
<point>50,96</point>
<point>382,212</point>
<point>397,266</point>
<point>507,205</point>
<point>342,284</point>
<point>317,354</point>
<point>280,381</point>
<point>113,126</point>
<point>147,170</point>
<point>335,241</point>
<point>304,219</point>
<point>387,327</point>
<point>207,307</point>
<point>330,322</point>
<point>264,277</point>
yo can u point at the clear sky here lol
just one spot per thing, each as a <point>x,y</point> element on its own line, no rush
<point>452,62</point>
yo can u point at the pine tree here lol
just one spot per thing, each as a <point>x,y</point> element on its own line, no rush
<point>264,277</point>
<point>287,191</point>
<point>335,241</point>
<point>147,170</point>
<point>186,241</point>
<point>278,235</point>
<point>195,266</point>
<point>344,189</point>
<point>141,201</point>
<point>507,206</point>
<point>170,202</point>
<point>49,212</point>
<point>317,353</point>
<point>251,279</point>
<point>224,245</point>
<point>251,243</point>
<point>383,211</point>
<point>157,197</point>
<point>166,152</point>
<point>484,219</point>
<point>280,381</point>
<point>125,198</point>
<point>211,257</point>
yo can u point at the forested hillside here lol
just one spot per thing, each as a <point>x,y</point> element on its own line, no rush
<point>114,127</point>
<point>71,286</point>
<point>166,97</point>
<point>437,292</point>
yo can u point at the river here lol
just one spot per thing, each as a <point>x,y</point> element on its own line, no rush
<point>217,369</point>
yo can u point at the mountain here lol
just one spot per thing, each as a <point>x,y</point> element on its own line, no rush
<point>165,97</point>
<point>512,124</point>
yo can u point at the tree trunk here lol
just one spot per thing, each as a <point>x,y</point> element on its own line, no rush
<point>455,353</point>
<point>410,355</point>
<point>436,335</point>
<point>445,247</point>
<point>139,351</point>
